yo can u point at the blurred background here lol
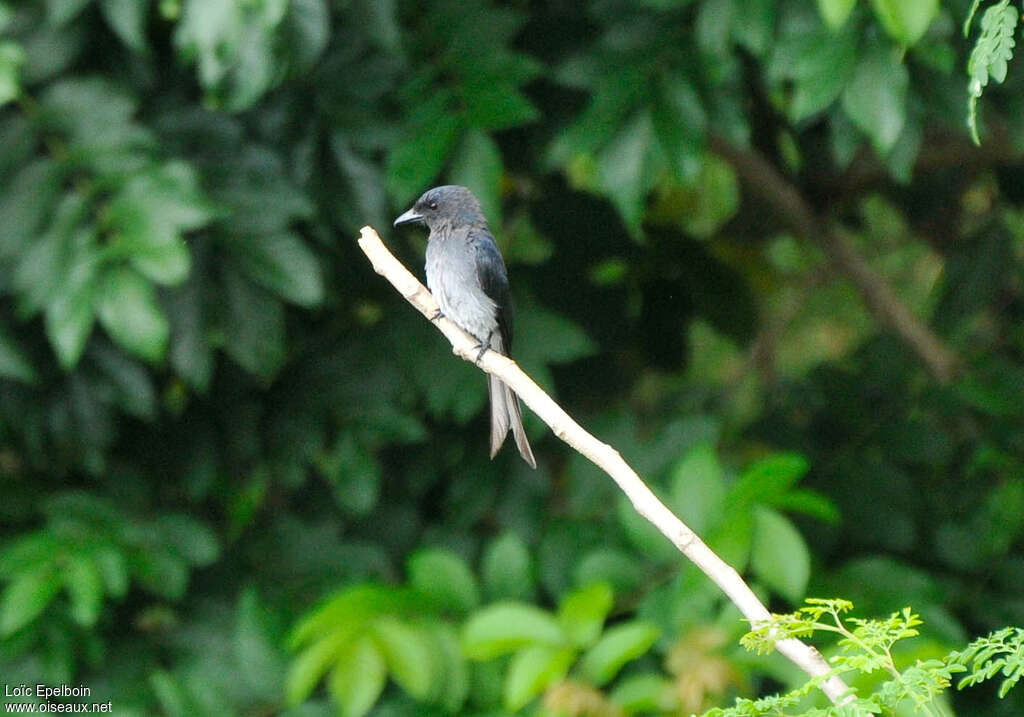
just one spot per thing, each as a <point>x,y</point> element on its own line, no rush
<point>751,245</point>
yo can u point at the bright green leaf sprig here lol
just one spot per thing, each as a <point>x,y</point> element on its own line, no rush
<point>866,646</point>
<point>1000,653</point>
<point>992,50</point>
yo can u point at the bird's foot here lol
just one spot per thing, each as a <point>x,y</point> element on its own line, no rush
<point>483,346</point>
<point>437,315</point>
<point>483,349</point>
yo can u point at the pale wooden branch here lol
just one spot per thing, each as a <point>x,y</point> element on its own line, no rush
<point>601,454</point>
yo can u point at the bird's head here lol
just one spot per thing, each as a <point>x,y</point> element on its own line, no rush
<point>450,204</point>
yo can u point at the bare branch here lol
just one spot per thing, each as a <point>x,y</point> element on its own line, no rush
<point>601,454</point>
<point>761,177</point>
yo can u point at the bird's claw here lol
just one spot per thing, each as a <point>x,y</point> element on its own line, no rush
<point>437,315</point>
<point>483,349</point>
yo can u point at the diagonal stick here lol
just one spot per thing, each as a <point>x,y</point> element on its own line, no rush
<point>603,456</point>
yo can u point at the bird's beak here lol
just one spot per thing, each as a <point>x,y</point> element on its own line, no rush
<point>410,217</point>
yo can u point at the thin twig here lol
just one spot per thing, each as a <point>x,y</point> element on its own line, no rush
<point>603,456</point>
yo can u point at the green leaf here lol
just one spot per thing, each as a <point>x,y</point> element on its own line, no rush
<point>975,4</point>
<point>767,480</point>
<point>457,391</point>
<point>905,20</point>
<point>311,664</point>
<point>993,49</point>
<point>451,691</point>
<point>129,312</point>
<point>645,693</point>
<point>127,18</point>
<point>366,201</point>
<point>27,200</point>
<point>113,570</point>
<point>583,611</point>
<point>445,578</point>
<point>59,12</point>
<point>420,154</point>
<point>618,568</point>
<point>14,364</point>
<point>85,588</point>
<point>698,488</point>
<point>477,165</point>
<point>233,46</point>
<point>12,57</point>
<point>170,695</point>
<point>283,264</point>
<point>808,503</point>
<point>191,350</point>
<point>355,474</point>
<point>358,678</point>
<point>131,383</point>
<point>72,310</point>
<point>618,645</point>
<point>710,199</point>
<point>644,536</point>
<point>306,30</point>
<point>160,571</point>
<point>624,171</point>
<point>835,12</point>
<point>507,569</point>
<point>25,598</point>
<point>546,337</point>
<point>713,26</point>
<point>253,327</point>
<point>352,607</point>
<point>150,212</point>
<point>190,538</point>
<point>260,194</point>
<point>505,627</point>
<point>160,255</point>
<point>817,63</point>
<point>875,99</point>
<point>95,116</point>
<point>497,106</point>
<point>41,268</point>
<point>753,26</point>
<point>779,556</point>
<point>408,655</point>
<point>680,123</point>
<point>532,670</point>
<point>28,552</point>
<point>255,643</point>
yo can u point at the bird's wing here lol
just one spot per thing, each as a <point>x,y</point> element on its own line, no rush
<point>490,272</point>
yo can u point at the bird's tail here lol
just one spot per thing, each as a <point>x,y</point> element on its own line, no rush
<point>506,415</point>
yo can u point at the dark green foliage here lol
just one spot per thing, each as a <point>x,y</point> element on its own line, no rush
<point>239,476</point>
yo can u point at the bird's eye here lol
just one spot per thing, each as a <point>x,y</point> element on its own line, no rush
<point>433,206</point>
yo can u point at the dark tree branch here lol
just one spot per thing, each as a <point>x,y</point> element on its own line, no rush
<point>761,177</point>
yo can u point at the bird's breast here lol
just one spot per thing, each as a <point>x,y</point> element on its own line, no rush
<point>453,280</point>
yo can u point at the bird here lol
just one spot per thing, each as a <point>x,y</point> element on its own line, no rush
<point>467,276</point>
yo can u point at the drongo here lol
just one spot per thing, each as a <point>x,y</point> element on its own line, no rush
<point>467,276</point>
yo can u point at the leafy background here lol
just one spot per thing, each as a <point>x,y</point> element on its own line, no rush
<point>241,477</point>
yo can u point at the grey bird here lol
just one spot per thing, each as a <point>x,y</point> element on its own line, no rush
<point>467,276</point>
